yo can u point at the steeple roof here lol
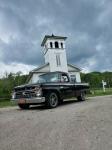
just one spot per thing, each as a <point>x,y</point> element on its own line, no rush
<point>52,37</point>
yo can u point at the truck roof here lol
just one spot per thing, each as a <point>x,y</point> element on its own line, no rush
<point>55,72</point>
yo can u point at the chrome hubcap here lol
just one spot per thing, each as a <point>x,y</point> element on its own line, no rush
<point>53,99</point>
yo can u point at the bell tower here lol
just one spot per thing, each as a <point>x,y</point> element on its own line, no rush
<point>55,52</point>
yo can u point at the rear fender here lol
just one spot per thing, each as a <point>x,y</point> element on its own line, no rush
<point>78,92</point>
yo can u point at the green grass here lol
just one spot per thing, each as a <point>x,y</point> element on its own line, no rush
<point>100,92</point>
<point>6,103</point>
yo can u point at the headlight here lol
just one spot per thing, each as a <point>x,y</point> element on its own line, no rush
<point>13,95</point>
<point>38,92</point>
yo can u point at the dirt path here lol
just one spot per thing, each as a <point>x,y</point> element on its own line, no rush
<point>72,126</point>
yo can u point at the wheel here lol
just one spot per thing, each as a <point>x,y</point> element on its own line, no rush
<point>24,106</point>
<point>81,97</point>
<point>52,100</point>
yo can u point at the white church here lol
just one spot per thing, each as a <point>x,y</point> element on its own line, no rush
<point>54,50</point>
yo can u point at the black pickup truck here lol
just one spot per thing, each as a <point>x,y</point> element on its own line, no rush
<point>51,89</point>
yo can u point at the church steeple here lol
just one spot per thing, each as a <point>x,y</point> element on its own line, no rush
<point>55,53</point>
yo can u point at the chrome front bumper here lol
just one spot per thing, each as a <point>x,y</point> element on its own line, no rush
<point>33,100</point>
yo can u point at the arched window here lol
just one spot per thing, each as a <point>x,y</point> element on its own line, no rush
<point>61,45</point>
<point>56,45</point>
<point>51,45</point>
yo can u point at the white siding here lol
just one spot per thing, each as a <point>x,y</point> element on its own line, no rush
<point>36,75</point>
<point>77,74</point>
<point>50,56</point>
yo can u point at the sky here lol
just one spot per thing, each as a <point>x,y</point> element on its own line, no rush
<point>86,23</point>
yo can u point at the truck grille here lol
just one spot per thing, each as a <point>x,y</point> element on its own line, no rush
<point>25,93</point>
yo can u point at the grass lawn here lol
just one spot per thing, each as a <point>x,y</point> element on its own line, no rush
<point>100,92</point>
<point>5,103</point>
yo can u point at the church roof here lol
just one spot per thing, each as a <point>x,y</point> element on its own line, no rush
<point>38,69</point>
<point>45,68</point>
<point>72,67</point>
<point>52,37</point>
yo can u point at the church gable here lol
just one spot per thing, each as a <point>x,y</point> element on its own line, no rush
<point>72,68</point>
<point>46,68</point>
<point>42,69</point>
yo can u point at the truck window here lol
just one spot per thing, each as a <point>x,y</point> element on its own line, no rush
<point>52,77</point>
<point>64,78</point>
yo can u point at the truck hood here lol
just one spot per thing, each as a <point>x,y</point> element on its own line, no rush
<point>27,86</point>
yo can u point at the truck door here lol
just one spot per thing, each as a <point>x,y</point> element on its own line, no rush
<point>67,88</point>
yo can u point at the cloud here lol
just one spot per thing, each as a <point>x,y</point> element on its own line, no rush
<point>14,68</point>
<point>86,23</point>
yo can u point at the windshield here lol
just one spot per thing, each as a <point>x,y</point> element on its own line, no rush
<point>45,78</point>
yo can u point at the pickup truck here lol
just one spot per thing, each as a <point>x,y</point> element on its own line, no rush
<point>51,89</point>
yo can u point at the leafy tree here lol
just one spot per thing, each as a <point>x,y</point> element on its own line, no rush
<point>9,81</point>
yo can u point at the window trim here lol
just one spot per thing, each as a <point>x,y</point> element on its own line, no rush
<point>58,60</point>
<point>61,45</point>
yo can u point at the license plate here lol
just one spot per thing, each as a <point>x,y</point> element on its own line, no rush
<point>21,101</point>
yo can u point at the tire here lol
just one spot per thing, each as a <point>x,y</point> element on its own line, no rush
<point>81,97</point>
<point>52,100</point>
<point>23,106</point>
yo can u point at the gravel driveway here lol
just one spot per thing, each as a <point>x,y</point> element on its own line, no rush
<point>71,126</point>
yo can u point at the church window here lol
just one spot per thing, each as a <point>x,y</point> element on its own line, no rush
<point>58,61</point>
<point>73,78</point>
<point>56,45</point>
<point>61,45</point>
<point>51,45</point>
